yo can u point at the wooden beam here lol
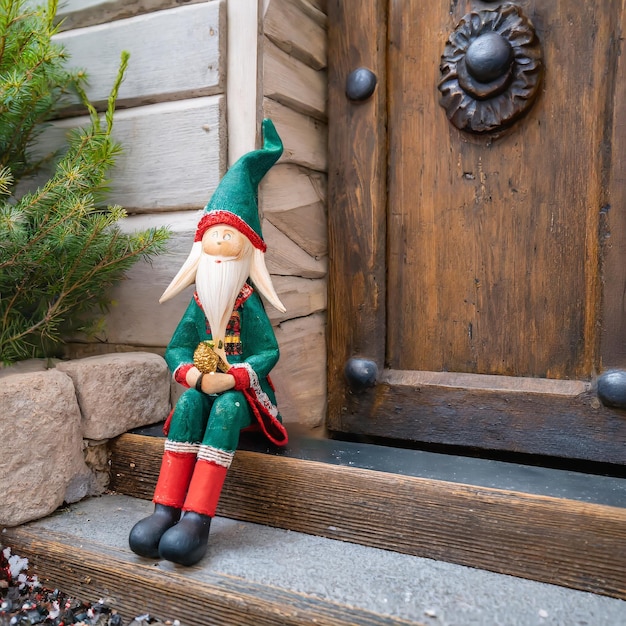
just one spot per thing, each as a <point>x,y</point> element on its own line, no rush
<point>576,426</point>
<point>150,174</point>
<point>305,138</point>
<point>357,195</point>
<point>134,588</point>
<point>242,86</point>
<point>293,83</point>
<point>294,200</point>
<point>299,29</point>
<point>80,13</point>
<point>160,44</point>
<point>555,540</point>
<point>613,225</point>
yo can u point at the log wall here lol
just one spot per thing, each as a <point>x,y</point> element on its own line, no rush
<point>177,124</point>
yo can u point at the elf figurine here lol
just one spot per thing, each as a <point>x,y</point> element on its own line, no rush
<point>222,350</point>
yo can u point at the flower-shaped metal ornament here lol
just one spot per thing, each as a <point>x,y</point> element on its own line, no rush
<point>491,70</point>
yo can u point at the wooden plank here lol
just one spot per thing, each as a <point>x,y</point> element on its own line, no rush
<point>554,540</point>
<point>356,194</point>
<point>299,29</point>
<point>321,6</point>
<point>493,249</point>
<point>294,84</point>
<point>160,44</point>
<point>294,200</point>
<point>300,375</point>
<point>286,258</point>
<point>133,588</point>
<point>485,382</point>
<point>301,297</point>
<point>613,227</point>
<point>81,13</point>
<point>173,153</point>
<point>305,139</point>
<point>242,89</point>
<point>545,424</point>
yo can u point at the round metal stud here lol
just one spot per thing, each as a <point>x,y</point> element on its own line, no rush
<point>612,388</point>
<point>361,373</point>
<point>489,57</point>
<point>360,84</point>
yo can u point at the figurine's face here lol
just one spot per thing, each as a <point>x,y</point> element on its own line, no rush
<point>222,240</point>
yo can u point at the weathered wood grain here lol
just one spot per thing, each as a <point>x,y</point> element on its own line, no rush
<point>294,200</point>
<point>300,375</point>
<point>493,241</point>
<point>294,84</point>
<point>613,226</point>
<point>81,13</point>
<point>173,153</point>
<point>132,588</point>
<point>356,195</point>
<point>284,257</point>
<point>320,5</point>
<point>299,29</point>
<point>301,297</point>
<point>305,139</point>
<point>545,424</point>
<point>160,44</point>
<point>243,89</point>
<point>554,540</point>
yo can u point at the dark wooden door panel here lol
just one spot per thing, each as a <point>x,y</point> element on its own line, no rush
<point>471,270</point>
<point>492,240</point>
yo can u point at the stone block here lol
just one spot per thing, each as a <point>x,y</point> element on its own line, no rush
<point>41,464</point>
<point>119,392</point>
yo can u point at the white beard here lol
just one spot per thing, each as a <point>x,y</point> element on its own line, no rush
<point>218,283</point>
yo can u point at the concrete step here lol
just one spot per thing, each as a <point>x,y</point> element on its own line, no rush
<point>255,574</point>
<point>555,526</point>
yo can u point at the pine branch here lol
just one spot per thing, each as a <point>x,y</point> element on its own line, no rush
<point>59,250</point>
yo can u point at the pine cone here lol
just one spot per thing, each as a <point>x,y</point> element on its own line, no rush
<point>205,358</point>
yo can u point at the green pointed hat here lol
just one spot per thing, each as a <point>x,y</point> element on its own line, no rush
<point>234,202</point>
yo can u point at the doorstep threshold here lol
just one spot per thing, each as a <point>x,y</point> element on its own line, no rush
<point>454,468</point>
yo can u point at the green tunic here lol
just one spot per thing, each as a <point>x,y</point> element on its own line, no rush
<point>216,420</point>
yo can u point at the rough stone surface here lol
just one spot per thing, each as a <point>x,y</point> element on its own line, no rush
<point>119,392</point>
<point>97,459</point>
<point>41,464</point>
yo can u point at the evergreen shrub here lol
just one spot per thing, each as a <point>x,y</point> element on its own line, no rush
<point>61,246</point>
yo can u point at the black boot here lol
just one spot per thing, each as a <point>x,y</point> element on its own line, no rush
<point>145,535</point>
<point>186,543</point>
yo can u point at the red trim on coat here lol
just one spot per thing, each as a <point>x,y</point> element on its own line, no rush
<point>180,375</point>
<point>241,376</point>
<point>271,427</point>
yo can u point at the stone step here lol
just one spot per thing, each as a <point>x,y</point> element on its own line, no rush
<point>255,574</point>
<point>554,526</point>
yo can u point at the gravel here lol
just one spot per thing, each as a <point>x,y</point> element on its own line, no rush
<point>25,601</point>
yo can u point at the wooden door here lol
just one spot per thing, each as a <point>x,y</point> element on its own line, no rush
<point>477,272</point>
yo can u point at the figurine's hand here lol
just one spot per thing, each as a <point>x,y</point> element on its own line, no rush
<point>217,383</point>
<point>193,373</point>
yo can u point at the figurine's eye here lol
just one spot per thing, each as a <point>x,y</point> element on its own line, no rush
<point>227,236</point>
<point>215,234</point>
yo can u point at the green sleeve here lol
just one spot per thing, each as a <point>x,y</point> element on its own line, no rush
<point>186,338</point>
